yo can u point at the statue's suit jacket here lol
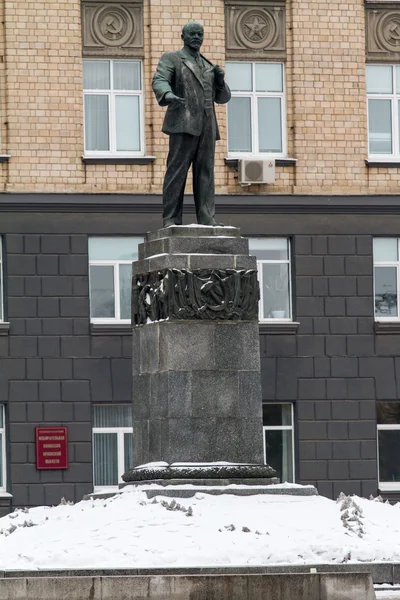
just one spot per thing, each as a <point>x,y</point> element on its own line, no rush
<point>178,73</point>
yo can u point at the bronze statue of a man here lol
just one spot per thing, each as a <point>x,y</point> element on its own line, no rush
<point>189,84</point>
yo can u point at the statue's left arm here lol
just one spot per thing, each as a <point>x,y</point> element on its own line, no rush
<point>222,91</point>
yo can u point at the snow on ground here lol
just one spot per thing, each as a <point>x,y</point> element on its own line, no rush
<point>131,531</point>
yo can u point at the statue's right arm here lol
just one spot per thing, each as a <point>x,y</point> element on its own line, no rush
<point>162,79</point>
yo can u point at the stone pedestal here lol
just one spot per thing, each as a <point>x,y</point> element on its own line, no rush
<point>196,358</point>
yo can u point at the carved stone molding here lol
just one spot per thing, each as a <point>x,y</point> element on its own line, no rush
<point>200,294</point>
<point>112,28</point>
<point>255,29</point>
<point>383,33</point>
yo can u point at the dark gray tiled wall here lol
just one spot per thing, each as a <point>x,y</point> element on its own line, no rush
<point>51,368</point>
<point>335,367</point>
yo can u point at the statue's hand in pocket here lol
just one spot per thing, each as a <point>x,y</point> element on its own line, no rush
<point>175,101</point>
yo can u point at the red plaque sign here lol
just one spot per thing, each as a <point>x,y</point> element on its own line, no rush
<point>51,448</point>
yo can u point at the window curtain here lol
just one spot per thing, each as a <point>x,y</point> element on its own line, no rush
<point>105,450</point>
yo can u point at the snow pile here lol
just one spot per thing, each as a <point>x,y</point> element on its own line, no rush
<point>131,531</point>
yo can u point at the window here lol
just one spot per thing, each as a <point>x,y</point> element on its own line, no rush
<point>383,95</point>
<point>257,108</point>
<point>112,443</point>
<point>1,285</point>
<point>386,278</point>
<point>279,439</point>
<point>273,264</point>
<point>2,451</point>
<point>113,107</point>
<point>388,419</point>
<point>110,274</point>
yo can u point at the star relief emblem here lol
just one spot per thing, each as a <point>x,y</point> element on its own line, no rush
<point>256,28</point>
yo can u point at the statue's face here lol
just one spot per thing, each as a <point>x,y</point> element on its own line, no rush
<point>193,36</point>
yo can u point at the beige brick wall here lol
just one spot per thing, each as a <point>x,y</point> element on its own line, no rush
<point>42,110</point>
<point>43,71</point>
<point>327,90</point>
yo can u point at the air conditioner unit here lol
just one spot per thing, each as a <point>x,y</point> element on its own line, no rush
<point>257,171</point>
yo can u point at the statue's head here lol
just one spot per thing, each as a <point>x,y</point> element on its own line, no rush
<point>193,35</point>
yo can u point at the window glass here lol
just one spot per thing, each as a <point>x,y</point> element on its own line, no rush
<point>96,74</point>
<point>269,248</point>
<point>388,413</point>
<point>239,76</point>
<point>379,79</point>
<point>380,126</point>
<point>115,415</point>
<point>1,285</point>
<point>277,414</point>
<point>385,279</point>
<point>388,447</point>
<point>269,125</point>
<point>113,117</point>
<point>112,443</point>
<point>278,439</point>
<point>385,249</point>
<point>269,77</point>
<point>239,125</point>
<point>2,450</point>
<point>105,459</point>
<point>101,284</point>
<point>125,284</point>
<point>256,110</point>
<point>128,445</point>
<point>110,276</point>
<point>96,122</point>
<point>274,292</point>
<point>127,75</point>
<point>114,248</point>
<point>279,453</point>
<point>1,461</point>
<point>274,276</point>
<point>127,119</point>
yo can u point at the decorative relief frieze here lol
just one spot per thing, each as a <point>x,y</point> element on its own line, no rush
<point>383,33</point>
<point>207,294</point>
<point>255,29</point>
<point>112,28</point>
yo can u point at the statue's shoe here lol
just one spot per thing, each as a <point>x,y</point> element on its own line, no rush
<point>168,223</point>
<point>213,223</point>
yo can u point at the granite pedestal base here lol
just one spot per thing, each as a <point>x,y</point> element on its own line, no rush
<point>196,358</point>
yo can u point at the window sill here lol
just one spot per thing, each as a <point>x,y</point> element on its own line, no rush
<point>382,163</point>
<point>387,327</point>
<point>111,329</point>
<point>279,328</point>
<point>279,162</point>
<point>4,328</point>
<point>5,495</point>
<point>118,160</point>
<point>4,158</point>
<point>389,486</point>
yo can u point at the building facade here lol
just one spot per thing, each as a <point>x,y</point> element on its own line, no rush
<point>316,90</point>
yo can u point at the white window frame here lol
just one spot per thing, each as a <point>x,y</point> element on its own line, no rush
<point>282,428</point>
<point>254,114</point>
<point>117,300</point>
<point>111,93</point>
<point>395,102</point>
<point>386,485</point>
<point>388,263</point>
<point>260,262</point>
<point>2,318</point>
<point>120,431</point>
<point>3,467</point>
